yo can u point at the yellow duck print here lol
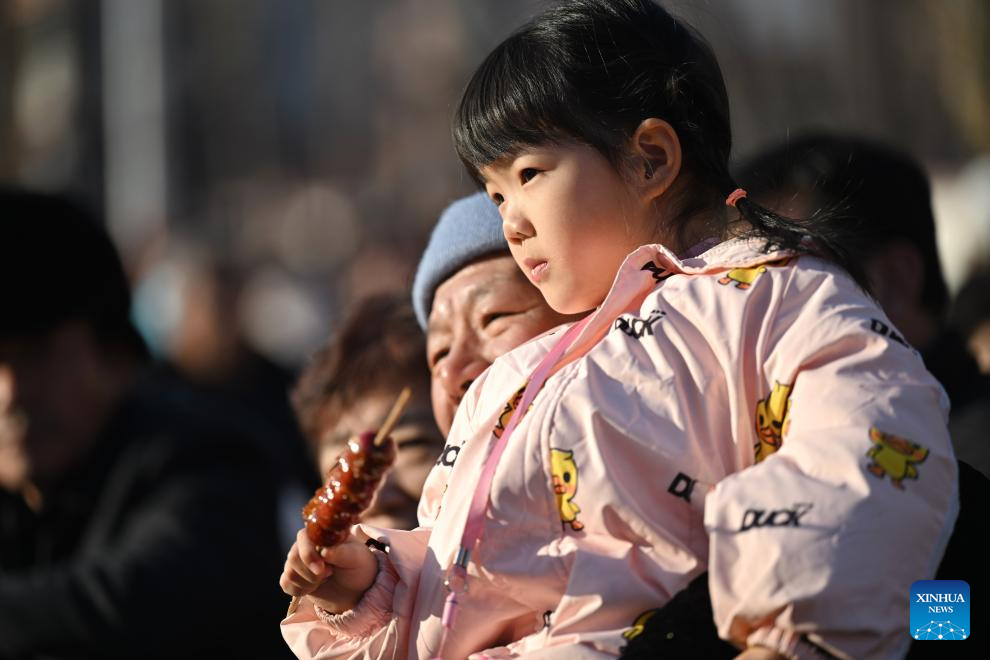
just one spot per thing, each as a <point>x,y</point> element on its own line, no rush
<point>894,456</point>
<point>565,482</point>
<point>744,277</point>
<point>772,421</point>
<point>506,414</point>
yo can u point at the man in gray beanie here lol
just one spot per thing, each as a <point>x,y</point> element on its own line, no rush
<point>473,301</point>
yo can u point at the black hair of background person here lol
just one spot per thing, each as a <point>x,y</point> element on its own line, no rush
<point>882,194</point>
<point>545,84</point>
<point>159,541</point>
<point>71,272</point>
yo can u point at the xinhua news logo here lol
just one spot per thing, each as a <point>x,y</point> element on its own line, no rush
<point>940,610</point>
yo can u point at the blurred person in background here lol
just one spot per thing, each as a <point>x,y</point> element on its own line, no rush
<point>473,302</point>
<point>970,315</point>
<point>888,196</point>
<point>134,499</point>
<point>189,310</point>
<point>348,387</point>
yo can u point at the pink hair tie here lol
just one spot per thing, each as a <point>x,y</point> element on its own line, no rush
<point>734,197</point>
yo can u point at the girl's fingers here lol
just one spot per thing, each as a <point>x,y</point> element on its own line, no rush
<point>291,583</point>
<point>329,555</point>
<point>308,552</point>
<point>296,588</point>
<point>296,583</point>
<point>311,567</point>
<point>348,554</point>
<point>297,566</point>
<point>289,586</point>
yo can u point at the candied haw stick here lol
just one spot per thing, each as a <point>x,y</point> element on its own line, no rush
<point>351,484</point>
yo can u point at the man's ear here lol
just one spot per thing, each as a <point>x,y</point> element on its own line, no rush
<point>657,149</point>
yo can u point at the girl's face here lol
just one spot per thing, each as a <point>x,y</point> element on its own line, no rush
<point>570,219</point>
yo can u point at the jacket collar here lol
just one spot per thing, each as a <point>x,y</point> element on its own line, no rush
<point>646,266</point>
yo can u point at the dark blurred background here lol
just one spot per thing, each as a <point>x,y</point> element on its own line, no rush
<point>262,163</point>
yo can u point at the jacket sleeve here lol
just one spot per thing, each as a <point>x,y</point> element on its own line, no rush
<point>852,500</point>
<point>378,627</point>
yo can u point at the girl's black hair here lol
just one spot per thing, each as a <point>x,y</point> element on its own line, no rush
<point>591,71</point>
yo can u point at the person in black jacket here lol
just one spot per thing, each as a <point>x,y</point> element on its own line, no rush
<point>136,518</point>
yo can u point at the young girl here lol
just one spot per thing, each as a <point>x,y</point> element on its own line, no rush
<point>733,402</point>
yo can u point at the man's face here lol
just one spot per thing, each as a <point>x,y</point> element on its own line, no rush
<point>481,312</point>
<point>53,400</point>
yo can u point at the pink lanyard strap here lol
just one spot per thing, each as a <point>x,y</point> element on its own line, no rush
<point>456,578</point>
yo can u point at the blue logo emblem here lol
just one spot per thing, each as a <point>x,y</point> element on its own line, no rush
<point>940,610</point>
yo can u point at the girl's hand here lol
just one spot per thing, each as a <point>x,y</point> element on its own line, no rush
<point>335,579</point>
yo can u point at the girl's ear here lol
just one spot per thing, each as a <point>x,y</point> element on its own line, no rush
<point>656,146</point>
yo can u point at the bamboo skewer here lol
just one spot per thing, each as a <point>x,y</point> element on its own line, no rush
<point>393,415</point>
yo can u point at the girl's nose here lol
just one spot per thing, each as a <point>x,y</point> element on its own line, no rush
<point>515,226</point>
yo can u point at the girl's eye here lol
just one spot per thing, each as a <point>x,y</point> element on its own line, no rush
<point>527,174</point>
<point>498,199</point>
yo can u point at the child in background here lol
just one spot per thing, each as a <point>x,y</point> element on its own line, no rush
<point>348,387</point>
<point>726,404</point>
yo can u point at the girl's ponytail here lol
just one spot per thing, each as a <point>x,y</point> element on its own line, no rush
<point>825,234</point>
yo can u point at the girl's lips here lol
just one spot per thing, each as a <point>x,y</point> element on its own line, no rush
<point>537,268</point>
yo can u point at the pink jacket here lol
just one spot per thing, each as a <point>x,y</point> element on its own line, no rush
<point>752,414</point>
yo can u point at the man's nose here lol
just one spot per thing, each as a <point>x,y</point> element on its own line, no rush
<point>462,365</point>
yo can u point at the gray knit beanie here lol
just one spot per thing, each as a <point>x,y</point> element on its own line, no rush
<point>469,228</point>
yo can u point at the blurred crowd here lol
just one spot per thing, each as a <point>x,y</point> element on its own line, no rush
<point>299,150</point>
<point>214,281</point>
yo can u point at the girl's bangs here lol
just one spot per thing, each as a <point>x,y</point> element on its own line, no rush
<point>511,102</point>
